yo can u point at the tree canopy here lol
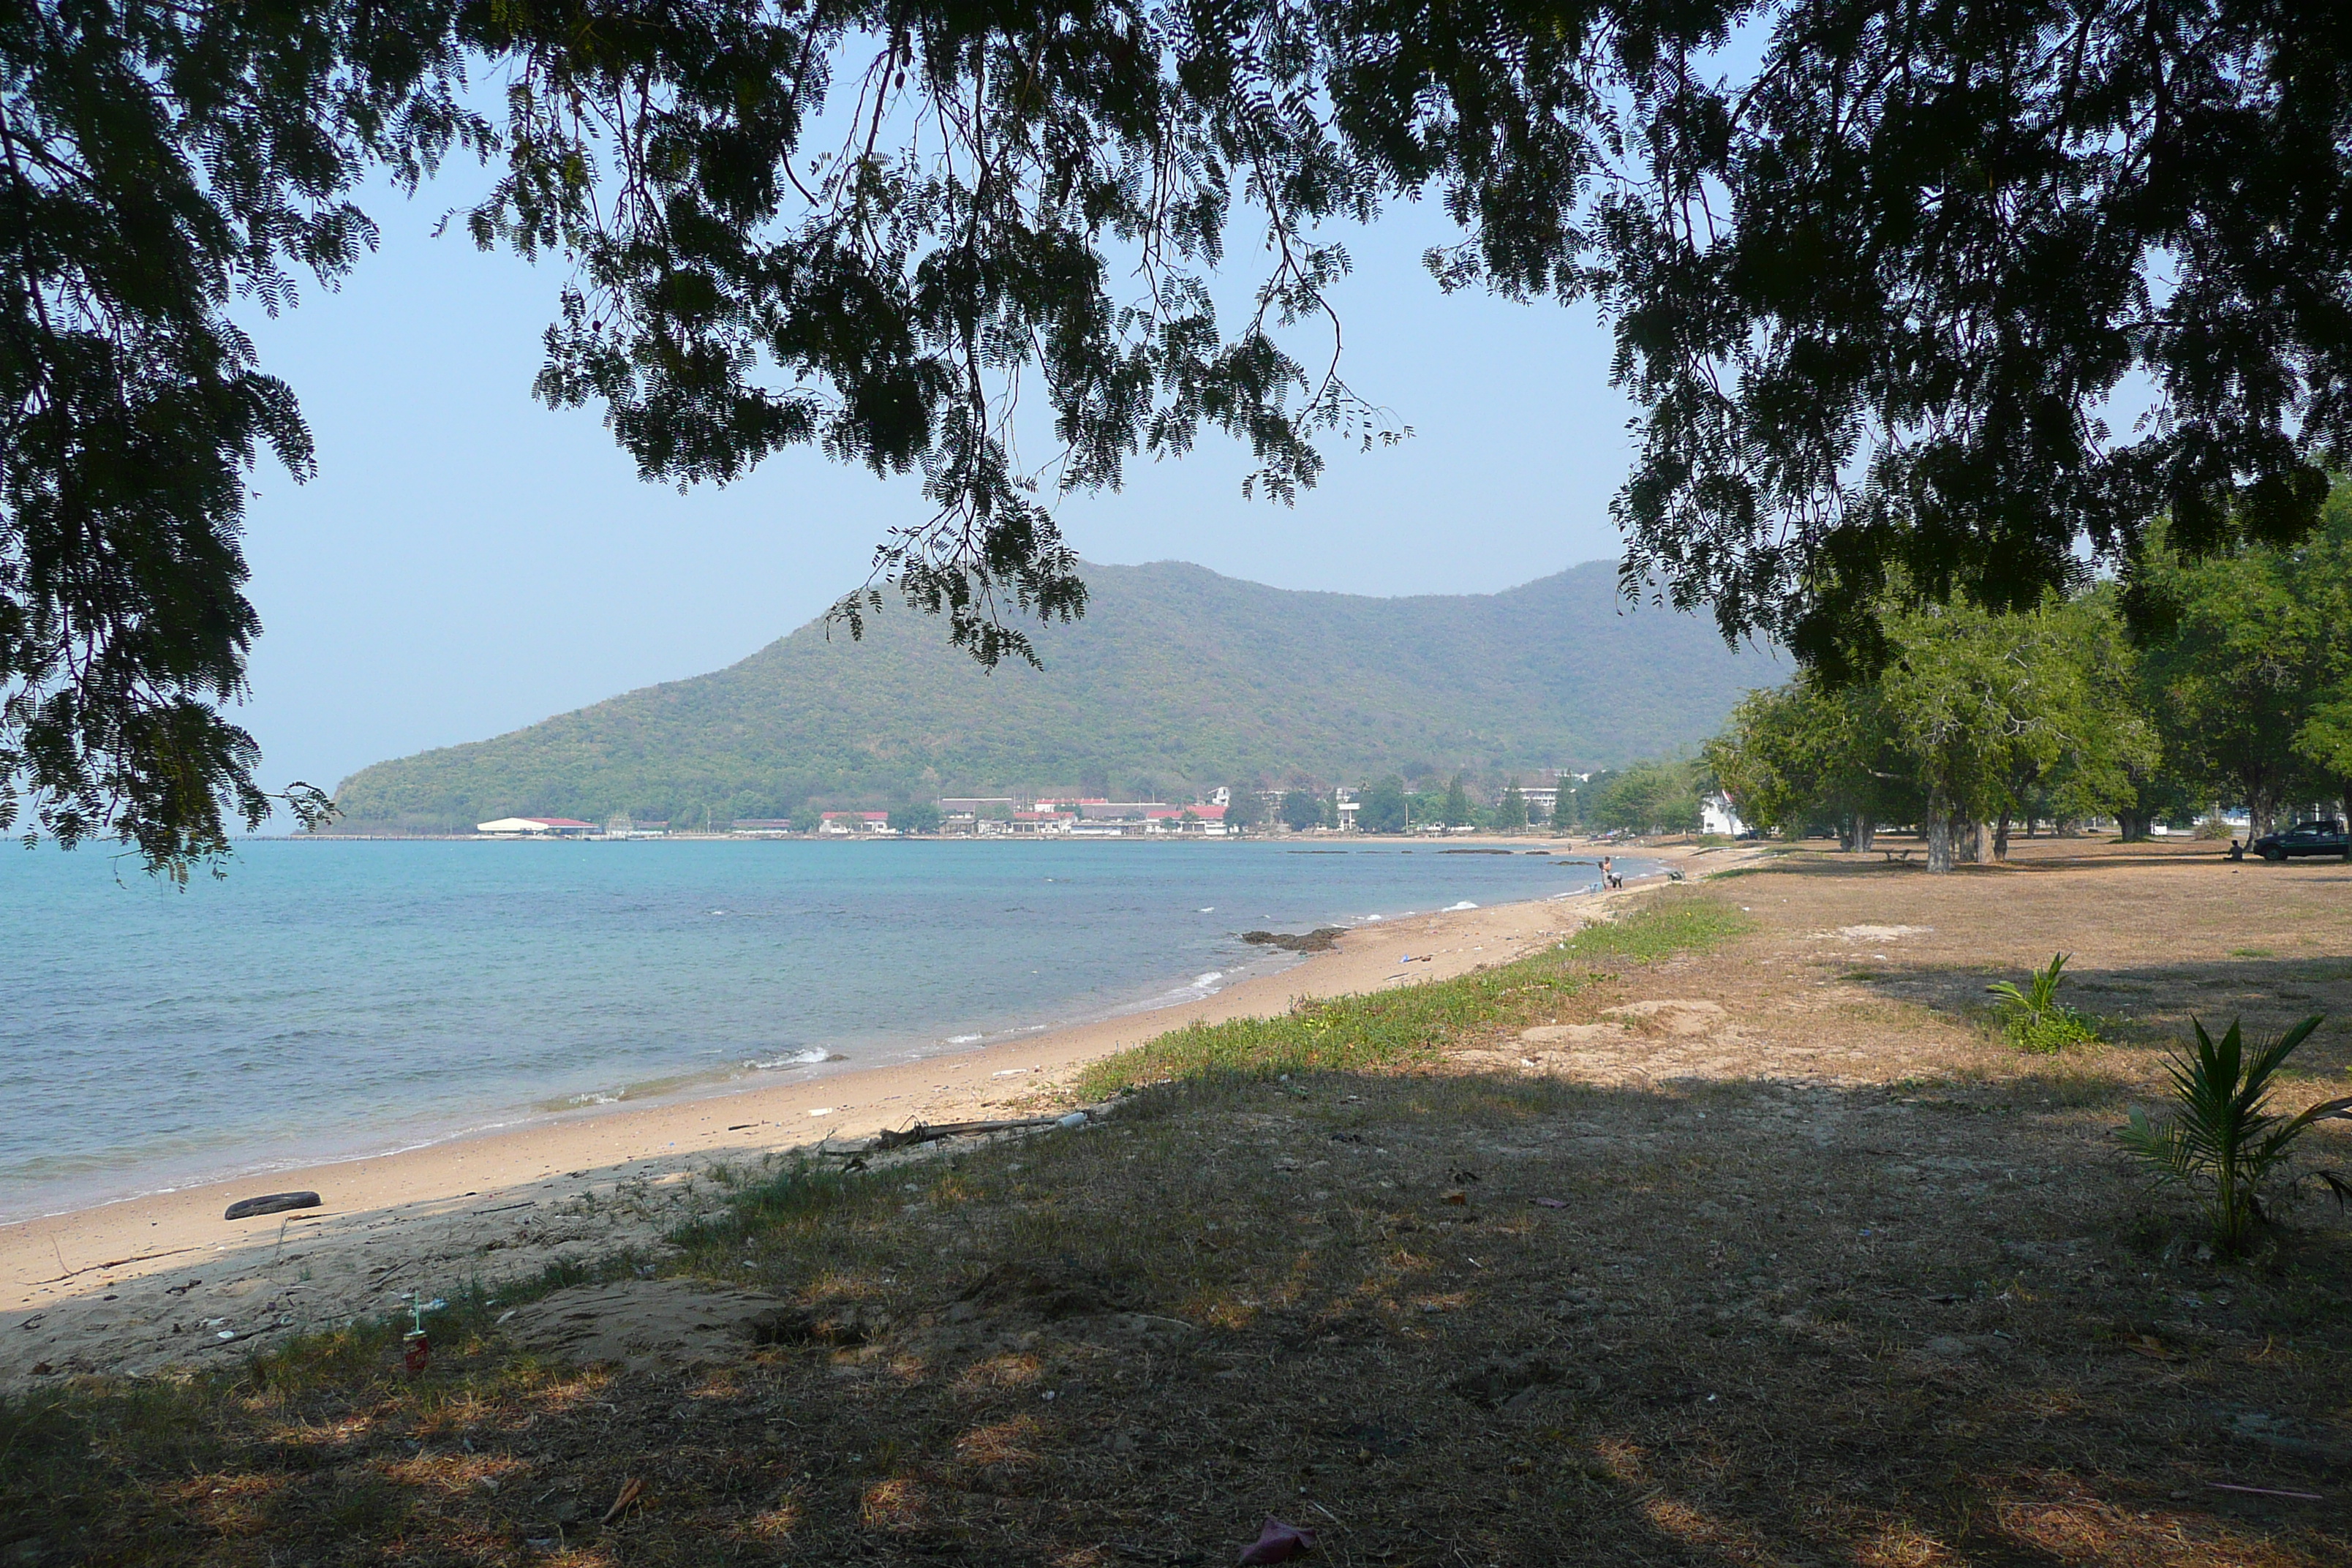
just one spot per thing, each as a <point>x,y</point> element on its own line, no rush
<point>1877,288</point>
<point>2235,693</point>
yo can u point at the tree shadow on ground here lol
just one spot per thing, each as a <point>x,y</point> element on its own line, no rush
<point>1441,1317</point>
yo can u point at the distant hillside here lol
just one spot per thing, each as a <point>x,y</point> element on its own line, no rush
<point>1177,678</point>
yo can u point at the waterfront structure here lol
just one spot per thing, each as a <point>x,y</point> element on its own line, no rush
<point>847,823</point>
<point>535,827</point>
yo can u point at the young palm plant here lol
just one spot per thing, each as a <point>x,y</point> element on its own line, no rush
<point>2034,1017</point>
<point>2223,1142</point>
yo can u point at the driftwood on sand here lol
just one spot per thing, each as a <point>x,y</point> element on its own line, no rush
<point>270,1203</point>
<point>923,1132</point>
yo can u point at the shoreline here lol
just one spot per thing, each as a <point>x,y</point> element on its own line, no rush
<point>272,1156</point>
<point>87,1286</point>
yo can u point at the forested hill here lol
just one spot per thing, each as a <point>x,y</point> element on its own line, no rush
<point>1177,679</point>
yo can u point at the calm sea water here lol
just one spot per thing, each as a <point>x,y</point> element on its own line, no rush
<point>337,998</point>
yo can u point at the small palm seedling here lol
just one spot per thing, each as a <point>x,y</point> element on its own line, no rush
<point>2035,1018</point>
<point>2223,1142</point>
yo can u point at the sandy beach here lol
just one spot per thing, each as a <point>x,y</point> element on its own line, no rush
<point>163,1281</point>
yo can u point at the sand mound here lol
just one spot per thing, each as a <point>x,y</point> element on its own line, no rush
<point>649,1325</point>
<point>1571,1033</point>
<point>1675,1015</point>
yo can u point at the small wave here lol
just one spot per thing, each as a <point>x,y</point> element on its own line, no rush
<point>1209,979</point>
<point>1206,909</point>
<point>1465,904</point>
<point>1372,920</point>
<point>807,1058</point>
<point>594,1097</point>
<point>965,1039</point>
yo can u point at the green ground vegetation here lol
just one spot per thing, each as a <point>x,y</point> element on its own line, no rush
<point>1411,1023</point>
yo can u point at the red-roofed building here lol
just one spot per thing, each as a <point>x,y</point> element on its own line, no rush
<point>840,824</point>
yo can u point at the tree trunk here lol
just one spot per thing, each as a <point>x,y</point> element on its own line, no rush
<point>1967,841</point>
<point>1849,834</point>
<point>2135,824</point>
<point>1865,834</point>
<point>2001,836</point>
<point>2262,813</point>
<point>1940,832</point>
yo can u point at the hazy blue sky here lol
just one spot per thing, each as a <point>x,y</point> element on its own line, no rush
<point>467,562</point>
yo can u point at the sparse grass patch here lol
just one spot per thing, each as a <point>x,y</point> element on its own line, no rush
<point>1411,1025</point>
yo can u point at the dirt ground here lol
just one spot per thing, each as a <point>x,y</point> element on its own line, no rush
<point>1776,1253</point>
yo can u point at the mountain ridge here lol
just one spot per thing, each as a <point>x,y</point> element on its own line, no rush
<point>1178,677</point>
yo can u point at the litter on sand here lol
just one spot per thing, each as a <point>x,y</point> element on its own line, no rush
<point>631,1496</point>
<point>1278,1543</point>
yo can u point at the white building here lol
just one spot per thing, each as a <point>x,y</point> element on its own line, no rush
<point>535,827</point>
<point>1716,815</point>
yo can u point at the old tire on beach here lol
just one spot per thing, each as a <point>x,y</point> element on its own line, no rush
<point>270,1203</point>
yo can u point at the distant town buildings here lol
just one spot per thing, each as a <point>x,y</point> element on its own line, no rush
<point>1077,816</point>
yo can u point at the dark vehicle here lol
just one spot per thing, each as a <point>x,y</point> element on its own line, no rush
<point>2321,836</point>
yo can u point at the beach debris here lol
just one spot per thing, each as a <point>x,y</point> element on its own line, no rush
<point>270,1203</point>
<point>1457,1196</point>
<point>2267,1491</point>
<point>415,1346</point>
<point>632,1495</point>
<point>1278,1543</point>
<point>1549,1202</point>
<point>923,1132</point>
<point>1073,1121</point>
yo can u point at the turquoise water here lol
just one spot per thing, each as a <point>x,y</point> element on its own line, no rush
<point>334,998</point>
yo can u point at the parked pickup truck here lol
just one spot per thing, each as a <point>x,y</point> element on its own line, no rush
<point>2321,836</point>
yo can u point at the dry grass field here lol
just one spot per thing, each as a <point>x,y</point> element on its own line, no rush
<point>1734,1233</point>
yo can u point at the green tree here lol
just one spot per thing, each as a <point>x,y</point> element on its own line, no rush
<point>1244,809</point>
<point>1454,811</point>
<point>1511,810</point>
<point>917,817</point>
<point>1808,755</point>
<point>2241,670</point>
<point>1302,809</point>
<point>1563,804</point>
<point>1985,707</point>
<point>1384,807</point>
<point>1648,797</point>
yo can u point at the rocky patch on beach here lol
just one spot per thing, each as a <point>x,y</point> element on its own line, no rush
<point>1322,939</point>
